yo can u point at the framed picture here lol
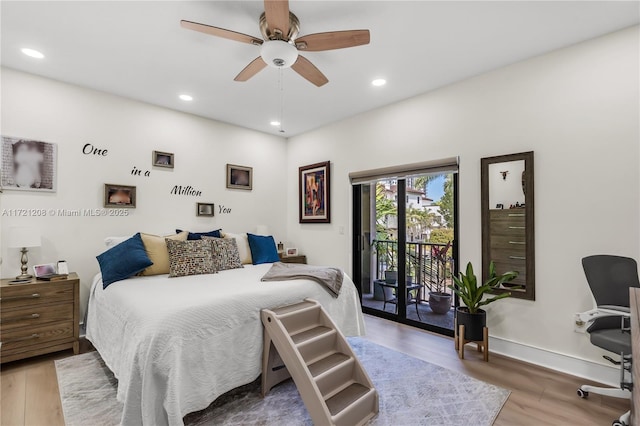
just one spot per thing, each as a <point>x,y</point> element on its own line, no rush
<point>314,203</point>
<point>239,177</point>
<point>291,252</point>
<point>28,165</point>
<point>163,159</point>
<point>44,269</point>
<point>119,196</point>
<point>204,209</point>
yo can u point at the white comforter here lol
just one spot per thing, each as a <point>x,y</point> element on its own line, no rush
<point>176,344</point>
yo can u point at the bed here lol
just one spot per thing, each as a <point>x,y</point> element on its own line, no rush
<point>177,344</point>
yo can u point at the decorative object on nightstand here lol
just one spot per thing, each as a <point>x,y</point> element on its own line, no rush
<point>298,258</point>
<point>39,317</point>
<point>24,237</point>
<point>292,251</point>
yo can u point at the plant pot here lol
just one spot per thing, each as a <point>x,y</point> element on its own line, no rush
<point>409,280</point>
<point>440,303</point>
<point>473,323</point>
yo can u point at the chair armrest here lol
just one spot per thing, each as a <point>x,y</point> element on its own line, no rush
<point>602,312</point>
<point>615,308</point>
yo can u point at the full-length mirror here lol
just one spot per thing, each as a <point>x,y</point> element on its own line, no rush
<point>508,220</point>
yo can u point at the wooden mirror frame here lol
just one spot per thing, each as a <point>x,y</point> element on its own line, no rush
<point>528,186</point>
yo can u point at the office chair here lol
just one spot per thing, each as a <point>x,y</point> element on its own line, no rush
<point>609,278</point>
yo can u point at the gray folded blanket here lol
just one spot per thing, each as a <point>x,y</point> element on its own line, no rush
<point>330,278</point>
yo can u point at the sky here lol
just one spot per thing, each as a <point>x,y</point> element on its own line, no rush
<point>435,188</point>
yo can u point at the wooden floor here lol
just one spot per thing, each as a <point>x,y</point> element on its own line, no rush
<point>539,396</point>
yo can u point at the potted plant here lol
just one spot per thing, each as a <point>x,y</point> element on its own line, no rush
<point>472,293</point>
<point>440,300</point>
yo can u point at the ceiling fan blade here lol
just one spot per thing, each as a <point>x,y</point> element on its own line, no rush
<point>332,40</point>
<point>277,15</point>
<point>221,32</point>
<point>252,69</point>
<point>309,71</point>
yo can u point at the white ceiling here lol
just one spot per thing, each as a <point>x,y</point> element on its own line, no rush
<point>138,50</point>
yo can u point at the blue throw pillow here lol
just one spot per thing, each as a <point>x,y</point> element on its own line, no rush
<point>199,235</point>
<point>123,261</point>
<point>263,249</point>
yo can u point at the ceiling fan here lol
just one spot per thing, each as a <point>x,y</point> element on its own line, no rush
<point>281,46</point>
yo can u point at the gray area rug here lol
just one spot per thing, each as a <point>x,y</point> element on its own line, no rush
<point>412,392</point>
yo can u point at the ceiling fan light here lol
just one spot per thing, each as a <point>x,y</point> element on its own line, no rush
<point>278,53</point>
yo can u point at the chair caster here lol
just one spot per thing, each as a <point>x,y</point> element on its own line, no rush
<point>584,394</point>
<point>618,423</point>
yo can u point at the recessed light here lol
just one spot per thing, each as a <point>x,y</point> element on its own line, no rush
<point>32,53</point>
<point>379,82</point>
<point>275,123</point>
<point>187,98</point>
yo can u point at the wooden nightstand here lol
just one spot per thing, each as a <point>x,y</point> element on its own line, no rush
<point>293,259</point>
<point>39,317</point>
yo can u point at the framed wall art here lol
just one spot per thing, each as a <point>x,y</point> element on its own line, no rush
<point>163,159</point>
<point>314,189</point>
<point>204,209</point>
<point>28,165</point>
<point>119,196</point>
<point>239,177</point>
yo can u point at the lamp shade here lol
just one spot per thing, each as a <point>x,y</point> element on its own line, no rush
<point>278,53</point>
<point>23,236</point>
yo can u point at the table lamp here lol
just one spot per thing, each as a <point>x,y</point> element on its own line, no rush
<point>23,237</point>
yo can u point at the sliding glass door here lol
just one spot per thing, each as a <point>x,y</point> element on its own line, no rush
<point>404,250</point>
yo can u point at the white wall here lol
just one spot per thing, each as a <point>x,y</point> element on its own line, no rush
<point>577,108</point>
<point>50,111</point>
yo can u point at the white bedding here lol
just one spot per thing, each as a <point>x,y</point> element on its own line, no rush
<point>176,344</point>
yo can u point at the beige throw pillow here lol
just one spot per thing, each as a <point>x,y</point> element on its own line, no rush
<point>156,248</point>
<point>242,241</point>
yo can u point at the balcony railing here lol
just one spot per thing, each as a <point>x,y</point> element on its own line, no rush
<point>422,264</point>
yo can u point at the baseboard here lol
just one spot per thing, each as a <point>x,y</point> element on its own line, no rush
<point>608,375</point>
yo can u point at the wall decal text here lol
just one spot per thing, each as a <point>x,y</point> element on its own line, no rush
<point>89,149</point>
<point>137,172</point>
<point>186,190</point>
<point>223,209</point>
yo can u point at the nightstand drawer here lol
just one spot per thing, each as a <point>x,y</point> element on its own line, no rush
<point>35,335</point>
<point>35,315</point>
<point>19,296</point>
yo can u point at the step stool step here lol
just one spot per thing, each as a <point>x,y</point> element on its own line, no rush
<point>309,334</point>
<point>327,363</point>
<point>346,397</point>
<point>295,307</point>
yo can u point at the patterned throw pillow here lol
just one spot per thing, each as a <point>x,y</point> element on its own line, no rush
<point>225,253</point>
<point>190,258</point>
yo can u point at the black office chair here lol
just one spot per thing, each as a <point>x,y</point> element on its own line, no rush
<point>610,278</point>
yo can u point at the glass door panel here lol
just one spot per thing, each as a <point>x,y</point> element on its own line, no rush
<point>420,212</point>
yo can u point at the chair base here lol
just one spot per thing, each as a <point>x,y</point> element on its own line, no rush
<point>613,392</point>
<point>623,420</point>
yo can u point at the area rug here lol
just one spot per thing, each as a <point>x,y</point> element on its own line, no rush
<point>412,392</point>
